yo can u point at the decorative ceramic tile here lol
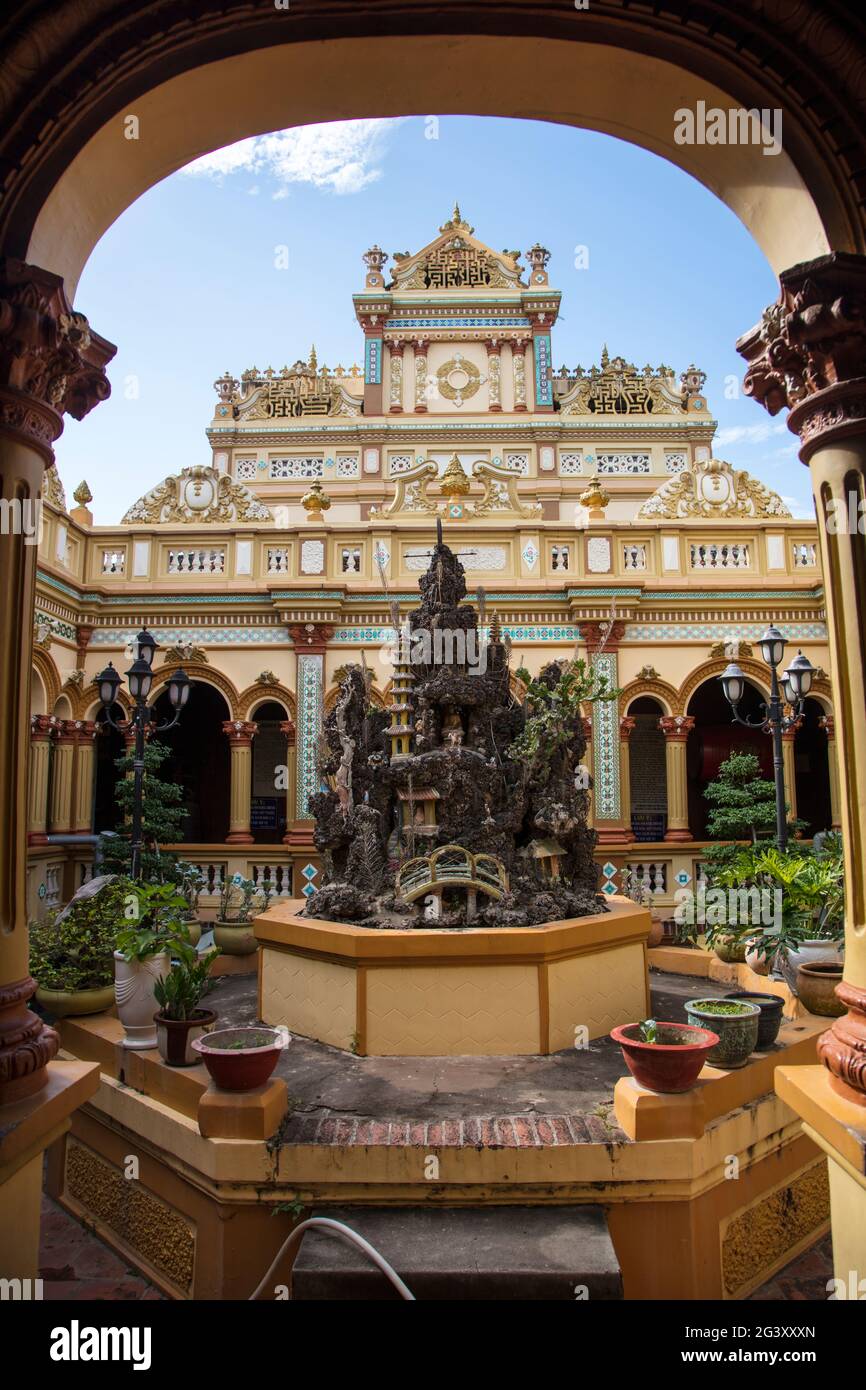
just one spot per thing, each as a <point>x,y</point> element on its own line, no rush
<point>309,729</point>
<point>605,743</point>
<point>529,554</point>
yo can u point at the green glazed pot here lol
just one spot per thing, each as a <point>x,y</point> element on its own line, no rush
<point>730,950</point>
<point>737,1032</point>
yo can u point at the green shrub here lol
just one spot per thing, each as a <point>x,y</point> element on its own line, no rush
<point>74,949</point>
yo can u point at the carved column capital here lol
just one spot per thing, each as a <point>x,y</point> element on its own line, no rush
<point>626,727</point>
<point>586,726</point>
<point>808,351</point>
<point>288,728</point>
<point>827,722</point>
<point>41,728</point>
<point>240,732</point>
<point>311,637</point>
<point>51,362</point>
<point>606,635</point>
<point>676,726</point>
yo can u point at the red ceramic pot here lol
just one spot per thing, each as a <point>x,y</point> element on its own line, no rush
<point>666,1067</point>
<point>240,1059</point>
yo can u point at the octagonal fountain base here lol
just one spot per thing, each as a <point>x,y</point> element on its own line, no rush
<point>430,992</point>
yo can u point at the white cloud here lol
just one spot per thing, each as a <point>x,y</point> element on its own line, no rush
<point>341,156</point>
<point>748,434</point>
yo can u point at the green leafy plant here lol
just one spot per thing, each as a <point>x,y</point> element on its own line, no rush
<point>180,992</point>
<point>191,883</point>
<point>743,802</point>
<point>74,949</point>
<point>648,1031</point>
<point>553,712</point>
<point>241,899</point>
<point>162,819</point>
<point>160,924</point>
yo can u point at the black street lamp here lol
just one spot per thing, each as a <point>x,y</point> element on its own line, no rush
<point>140,678</point>
<point>796,683</point>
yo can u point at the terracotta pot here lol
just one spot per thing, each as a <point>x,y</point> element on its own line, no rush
<point>234,938</point>
<point>814,950</point>
<point>235,1067</point>
<point>656,932</point>
<point>175,1036</point>
<point>72,1003</point>
<point>769,1023</point>
<point>670,1066</point>
<point>758,957</point>
<point>133,994</point>
<point>816,988</point>
<point>738,1033</point>
<point>730,950</point>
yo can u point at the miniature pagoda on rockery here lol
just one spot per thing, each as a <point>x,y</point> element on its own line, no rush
<point>458,805</point>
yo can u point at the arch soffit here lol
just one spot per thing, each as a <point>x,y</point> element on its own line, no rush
<point>755,673</point>
<point>256,695</point>
<point>49,675</point>
<point>204,675</point>
<point>666,695</point>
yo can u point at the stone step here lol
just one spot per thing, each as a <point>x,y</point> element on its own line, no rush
<point>490,1252</point>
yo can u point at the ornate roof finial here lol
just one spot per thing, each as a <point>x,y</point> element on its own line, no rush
<point>82,494</point>
<point>314,361</point>
<point>454,481</point>
<point>595,499</point>
<point>315,502</point>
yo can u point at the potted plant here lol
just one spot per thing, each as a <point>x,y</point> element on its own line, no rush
<point>71,951</point>
<point>635,889</point>
<point>665,1057</point>
<point>143,956</point>
<point>179,1019</point>
<point>736,1023</point>
<point>770,1021</point>
<point>727,944</point>
<point>816,988</point>
<point>240,1059</point>
<point>240,901</point>
<point>191,885</point>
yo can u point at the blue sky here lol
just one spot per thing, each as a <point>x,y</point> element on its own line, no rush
<point>187,281</point>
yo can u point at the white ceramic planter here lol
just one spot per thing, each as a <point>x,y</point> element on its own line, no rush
<point>134,997</point>
<point>810,951</point>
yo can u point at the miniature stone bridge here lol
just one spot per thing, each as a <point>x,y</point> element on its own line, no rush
<point>452,866</point>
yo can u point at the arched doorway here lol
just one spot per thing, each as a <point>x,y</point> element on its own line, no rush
<point>268,795</point>
<point>714,738</point>
<point>812,770</point>
<point>108,748</point>
<point>648,780</point>
<point>199,762</point>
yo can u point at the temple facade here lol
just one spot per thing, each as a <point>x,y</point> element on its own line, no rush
<point>586,506</point>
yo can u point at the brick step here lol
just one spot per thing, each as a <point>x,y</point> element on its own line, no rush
<point>490,1252</point>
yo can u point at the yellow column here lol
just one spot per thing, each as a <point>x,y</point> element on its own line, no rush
<point>626,727</point>
<point>37,779</point>
<point>828,724</point>
<point>676,729</point>
<point>240,735</point>
<point>49,362</point>
<point>790,771</point>
<point>62,768</point>
<point>85,762</point>
<point>288,728</point>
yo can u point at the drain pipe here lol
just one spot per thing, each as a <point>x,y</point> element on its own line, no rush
<point>342,1232</point>
<point>82,840</point>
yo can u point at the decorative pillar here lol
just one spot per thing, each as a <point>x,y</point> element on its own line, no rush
<point>828,724</point>
<point>542,362</point>
<point>373,348</point>
<point>809,353</point>
<point>790,770</point>
<point>395,394</point>
<point>310,641</point>
<point>421,378</point>
<point>62,772</point>
<point>494,373</point>
<point>240,734</point>
<point>50,364</point>
<point>288,728</point>
<point>518,370</point>
<point>676,729</point>
<point>602,643</point>
<point>37,779</point>
<point>82,802</point>
<point>626,728</point>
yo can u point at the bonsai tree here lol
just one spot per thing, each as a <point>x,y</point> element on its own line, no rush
<point>74,949</point>
<point>743,802</point>
<point>162,819</point>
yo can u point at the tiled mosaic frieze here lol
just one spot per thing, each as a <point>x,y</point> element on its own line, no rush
<point>715,632</point>
<point>55,625</point>
<point>309,729</point>
<point>605,743</point>
<point>531,632</point>
<point>202,636</point>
